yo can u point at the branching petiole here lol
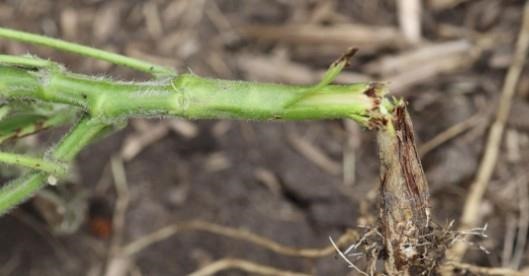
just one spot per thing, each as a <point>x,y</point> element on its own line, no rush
<point>86,51</point>
<point>54,168</point>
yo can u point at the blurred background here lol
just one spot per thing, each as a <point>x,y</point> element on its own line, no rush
<point>296,183</point>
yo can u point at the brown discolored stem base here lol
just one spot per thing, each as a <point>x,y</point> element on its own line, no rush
<point>409,238</point>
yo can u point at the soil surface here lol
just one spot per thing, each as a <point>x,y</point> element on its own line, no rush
<point>296,183</point>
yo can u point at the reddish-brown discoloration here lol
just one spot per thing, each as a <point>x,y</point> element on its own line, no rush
<point>374,90</point>
<point>410,161</point>
<point>19,132</point>
<point>371,91</point>
<point>377,120</point>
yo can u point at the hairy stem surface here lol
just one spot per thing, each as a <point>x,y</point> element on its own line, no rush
<point>194,97</point>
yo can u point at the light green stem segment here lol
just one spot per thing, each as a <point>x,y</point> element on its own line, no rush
<point>48,166</point>
<point>18,190</point>
<point>194,97</point>
<point>62,45</point>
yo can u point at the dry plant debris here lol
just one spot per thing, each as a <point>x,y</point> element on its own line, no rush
<point>470,217</point>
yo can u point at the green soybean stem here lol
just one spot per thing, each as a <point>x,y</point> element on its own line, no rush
<point>86,51</point>
<point>18,190</point>
<point>194,97</point>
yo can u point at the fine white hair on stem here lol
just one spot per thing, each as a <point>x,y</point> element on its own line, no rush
<point>345,258</point>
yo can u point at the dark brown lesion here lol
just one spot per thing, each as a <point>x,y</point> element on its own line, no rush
<point>22,132</point>
<point>377,119</point>
<point>371,90</point>
<point>345,59</point>
<point>377,122</point>
<point>375,90</point>
<point>415,179</point>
